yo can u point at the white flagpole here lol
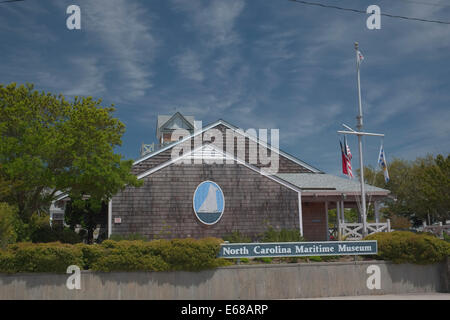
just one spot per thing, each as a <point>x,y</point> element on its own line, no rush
<point>360,133</point>
<point>361,163</point>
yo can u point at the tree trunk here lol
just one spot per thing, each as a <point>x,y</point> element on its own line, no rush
<point>90,235</point>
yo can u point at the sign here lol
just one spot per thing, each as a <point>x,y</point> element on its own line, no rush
<point>208,202</point>
<point>298,249</point>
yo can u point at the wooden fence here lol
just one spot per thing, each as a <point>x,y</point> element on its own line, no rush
<point>354,231</point>
<point>437,230</point>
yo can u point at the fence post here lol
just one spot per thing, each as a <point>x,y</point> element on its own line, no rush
<point>338,220</point>
<point>388,225</point>
<point>441,231</point>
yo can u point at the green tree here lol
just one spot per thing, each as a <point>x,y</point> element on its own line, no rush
<point>49,144</point>
<point>420,188</point>
<point>434,187</point>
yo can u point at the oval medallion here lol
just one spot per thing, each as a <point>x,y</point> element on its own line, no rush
<point>209,202</point>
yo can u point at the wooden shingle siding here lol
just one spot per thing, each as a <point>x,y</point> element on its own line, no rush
<point>285,165</point>
<point>162,207</point>
<point>152,162</point>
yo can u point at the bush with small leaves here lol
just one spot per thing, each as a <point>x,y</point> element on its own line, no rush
<point>409,247</point>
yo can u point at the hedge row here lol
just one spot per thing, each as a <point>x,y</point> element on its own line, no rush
<point>42,257</point>
<point>158,255</point>
<point>409,247</point>
<point>185,254</point>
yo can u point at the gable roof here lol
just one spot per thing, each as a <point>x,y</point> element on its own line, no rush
<point>163,120</point>
<point>229,126</point>
<point>213,152</point>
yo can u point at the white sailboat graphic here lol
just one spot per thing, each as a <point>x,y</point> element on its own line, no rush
<point>210,203</point>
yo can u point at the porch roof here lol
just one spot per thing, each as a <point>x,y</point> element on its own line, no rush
<point>324,184</point>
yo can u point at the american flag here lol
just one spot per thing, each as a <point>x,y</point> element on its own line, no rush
<point>360,57</point>
<point>349,159</point>
<point>346,159</point>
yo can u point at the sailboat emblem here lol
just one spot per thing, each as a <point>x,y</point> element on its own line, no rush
<point>208,202</point>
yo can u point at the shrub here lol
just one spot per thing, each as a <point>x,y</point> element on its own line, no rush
<point>284,235</point>
<point>126,255</point>
<point>7,262</point>
<point>91,254</point>
<point>43,257</point>
<point>270,235</point>
<point>45,233</point>
<point>131,236</point>
<point>315,258</point>
<point>26,230</point>
<point>409,247</point>
<point>67,235</point>
<point>446,237</point>
<point>192,255</point>
<point>38,230</point>
<point>8,217</point>
<point>237,237</point>
<point>129,261</point>
<point>159,255</point>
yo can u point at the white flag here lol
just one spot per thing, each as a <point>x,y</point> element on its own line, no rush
<point>383,164</point>
<point>360,57</point>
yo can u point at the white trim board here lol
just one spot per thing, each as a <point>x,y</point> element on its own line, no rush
<point>225,156</point>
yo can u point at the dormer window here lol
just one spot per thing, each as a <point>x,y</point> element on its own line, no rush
<point>168,124</point>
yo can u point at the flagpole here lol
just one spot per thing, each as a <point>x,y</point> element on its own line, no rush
<point>361,162</point>
<point>360,133</point>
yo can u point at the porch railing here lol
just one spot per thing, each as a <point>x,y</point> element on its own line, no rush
<point>354,231</point>
<point>437,230</point>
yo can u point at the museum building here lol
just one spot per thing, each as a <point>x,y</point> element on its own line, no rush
<point>210,181</point>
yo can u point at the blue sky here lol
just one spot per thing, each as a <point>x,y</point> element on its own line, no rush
<point>255,63</point>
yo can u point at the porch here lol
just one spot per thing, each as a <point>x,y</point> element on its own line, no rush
<point>321,192</point>
<point>336,226</point>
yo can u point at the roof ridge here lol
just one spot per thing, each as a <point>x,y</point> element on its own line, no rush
<point>233,127</point>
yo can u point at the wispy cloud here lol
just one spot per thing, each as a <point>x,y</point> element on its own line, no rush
<point>90,77</point>
<point>257,64</point>
<point>124,27</point>
<point>213,19</point>
<point>189,65</point>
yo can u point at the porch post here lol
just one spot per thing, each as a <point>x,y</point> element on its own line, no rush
<point>338,219</point>
<point>300,214</point>
<point>376,205</point>
<point>109,217</point>
<point>326,221</point>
